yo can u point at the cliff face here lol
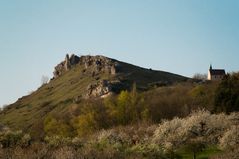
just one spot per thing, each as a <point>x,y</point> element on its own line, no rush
<point>99,63</point>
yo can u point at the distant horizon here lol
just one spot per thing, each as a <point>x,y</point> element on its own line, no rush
<point>181,37</point>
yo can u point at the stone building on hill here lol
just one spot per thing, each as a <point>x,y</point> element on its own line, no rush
<point>215,74</point>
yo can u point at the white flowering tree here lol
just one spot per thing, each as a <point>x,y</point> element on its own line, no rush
<point>197,130</point>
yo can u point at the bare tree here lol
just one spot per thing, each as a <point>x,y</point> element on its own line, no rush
<point>200,76</point>
<point>3,107</point>
<point>44,79</point>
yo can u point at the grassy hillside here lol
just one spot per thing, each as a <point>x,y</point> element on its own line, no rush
<point>61,93</point>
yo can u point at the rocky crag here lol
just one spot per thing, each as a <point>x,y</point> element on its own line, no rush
<point>99,63</point>
<point>96,65</point>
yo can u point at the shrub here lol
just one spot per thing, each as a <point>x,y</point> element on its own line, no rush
<point>112,137</point>
<point>65,152</point>
<point>10,138</point>
<point>56,141</point>
<point>35,150</point>
<point>201,124</point>
<point>54,127</point>
<point>198,91</point>
<point>147,151</point>
<point>230,139</point>
<point>77,142</point>
<point>169,134</point>
<point>85,124</point>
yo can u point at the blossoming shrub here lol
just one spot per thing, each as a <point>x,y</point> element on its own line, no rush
<point>201,124</point>
<point>230,139</point>
<point>56,141</point>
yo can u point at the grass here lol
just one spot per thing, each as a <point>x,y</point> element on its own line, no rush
<point>205,154</point>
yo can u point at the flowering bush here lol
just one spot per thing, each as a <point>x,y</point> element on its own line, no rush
<point>169,132</point>
<point>112,137</point>
<point>56,141</point>
<point>200,124</point>
<point>77,142</point>
<point>230,139</point>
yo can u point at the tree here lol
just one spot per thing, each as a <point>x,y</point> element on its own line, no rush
<point>52,127</point>
<point>85,124</point>
<point>44,79</point>
<point>130,107</point>
<point>123,113</point>
<point>200,76</point>
<point>195,146</point>
<point>227,94</point>
<point>92,116</point>
<point>230,139</point>
<point>198,91</point>
<point>3,107</point>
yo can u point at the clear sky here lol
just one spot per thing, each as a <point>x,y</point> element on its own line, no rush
<point>179,36</point>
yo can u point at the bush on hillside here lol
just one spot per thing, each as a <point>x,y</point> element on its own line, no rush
<point>14,138</point>
<point>54,127</point>
<point>227,94</point>
<point>230,139</point>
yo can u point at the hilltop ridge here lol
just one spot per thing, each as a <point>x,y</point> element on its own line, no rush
<point>120,75</point>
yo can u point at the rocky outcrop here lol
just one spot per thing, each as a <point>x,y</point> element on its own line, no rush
<point>66,65</point>
<point>92,66</point>
<point>98,63</point>
<point>105,88</point>
<point>100,89</point>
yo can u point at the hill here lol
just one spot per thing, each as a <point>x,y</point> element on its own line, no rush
<point>97,107</point>
<point>77,79</point>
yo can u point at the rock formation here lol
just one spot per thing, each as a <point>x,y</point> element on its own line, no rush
<point>94,66</point>
<point>100,89</point>
<point>99,63</point>
<point>66,65</point>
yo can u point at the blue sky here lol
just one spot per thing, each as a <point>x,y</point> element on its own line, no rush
<point>180,36</point>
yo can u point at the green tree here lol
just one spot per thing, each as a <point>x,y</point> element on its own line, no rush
<point>129,107</point>
<point>92,116</point>
<point>123,107</point>
<point>227,94</point>
<point>52,127</point>
<point>85,124</point>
